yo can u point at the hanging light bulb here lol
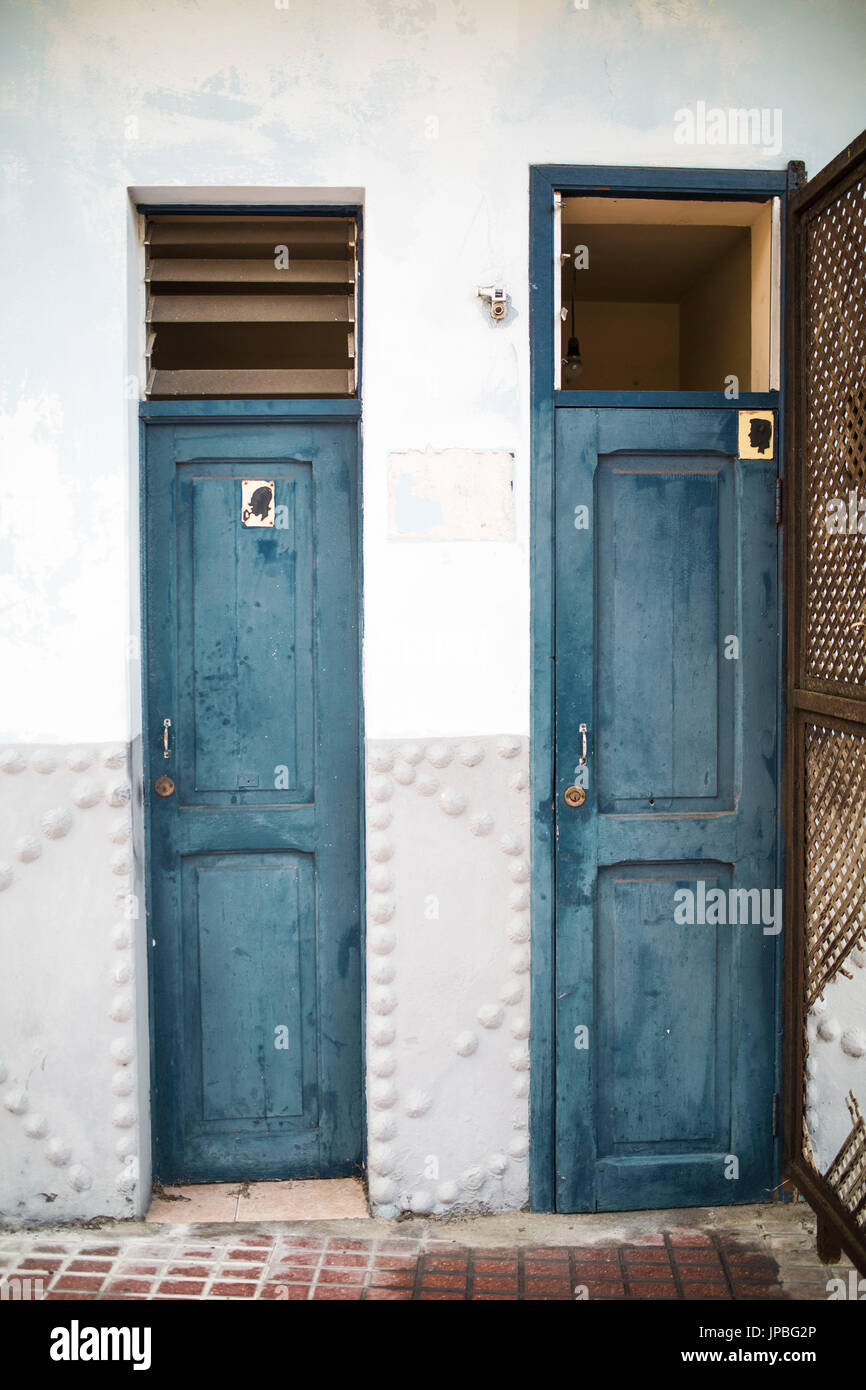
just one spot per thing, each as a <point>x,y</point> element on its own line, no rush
<point>572,360</point>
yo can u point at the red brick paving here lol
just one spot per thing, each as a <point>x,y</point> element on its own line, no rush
<point>677,1265</point>
<point>180,1286</point>
<point>80,1283</point>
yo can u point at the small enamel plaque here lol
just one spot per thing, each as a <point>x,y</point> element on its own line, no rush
<point>257,501</point>
<point>756,434</point>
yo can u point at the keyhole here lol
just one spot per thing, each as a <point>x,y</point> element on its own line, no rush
<point>652,801</point>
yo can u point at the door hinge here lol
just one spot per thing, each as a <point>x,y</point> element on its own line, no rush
<point>777,1111</point>
<point>778,501</point>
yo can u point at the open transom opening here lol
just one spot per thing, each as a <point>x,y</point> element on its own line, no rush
<point>660,294</point>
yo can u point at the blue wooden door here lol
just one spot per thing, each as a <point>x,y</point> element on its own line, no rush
<point>254,883</point>
<point>667,917</point>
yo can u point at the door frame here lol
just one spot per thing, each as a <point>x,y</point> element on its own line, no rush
<point>574,179</point>
<point>239,412</point>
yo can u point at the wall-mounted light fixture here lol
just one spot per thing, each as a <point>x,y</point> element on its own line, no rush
<point>498,299</point>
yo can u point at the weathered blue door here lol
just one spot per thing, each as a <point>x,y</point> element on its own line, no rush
<point>252,775</point>
<point>667,916</point>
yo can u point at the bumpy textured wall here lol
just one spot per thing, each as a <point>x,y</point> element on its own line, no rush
<point>448,974</point>
<point>69,1122</point>
<point>448,980</point>
<point>836,1064</point>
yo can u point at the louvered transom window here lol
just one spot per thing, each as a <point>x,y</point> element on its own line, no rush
<point>250,306</point>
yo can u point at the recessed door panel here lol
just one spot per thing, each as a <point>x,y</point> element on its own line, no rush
<point>664,1014</point>
<point>253,993</point>
<point>246,640</point>
<point>666,558</point>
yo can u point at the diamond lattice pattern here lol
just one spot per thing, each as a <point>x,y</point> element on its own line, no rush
<point>836,441</point>
<point>835,853</point>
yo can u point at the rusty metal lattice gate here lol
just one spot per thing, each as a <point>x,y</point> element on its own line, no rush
<point>826,684</point>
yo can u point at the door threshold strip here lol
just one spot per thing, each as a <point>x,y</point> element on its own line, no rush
<point>330,1199</point>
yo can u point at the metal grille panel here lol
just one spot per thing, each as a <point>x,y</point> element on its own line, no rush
<point>835,383</point>
<point>835,844</point>
<point>825,812</point>
<point>847,1173</point>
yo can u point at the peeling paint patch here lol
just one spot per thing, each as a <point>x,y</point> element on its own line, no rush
<point>204,105</point>
<point>451,495</point>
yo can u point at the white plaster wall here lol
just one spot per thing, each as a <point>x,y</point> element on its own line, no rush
<point>436,109</point>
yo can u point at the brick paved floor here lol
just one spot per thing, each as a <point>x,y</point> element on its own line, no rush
<point>739,1253</point>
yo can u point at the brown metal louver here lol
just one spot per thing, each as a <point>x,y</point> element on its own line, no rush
<point>825,792</point>
<point>242,305</point>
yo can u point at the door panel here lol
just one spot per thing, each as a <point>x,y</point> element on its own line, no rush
<point>237,1074</point>
<point>246,640</point>
<point>665,551</point>
<point>640,958</point>
<point>653,599</point>
<point>254,891</point>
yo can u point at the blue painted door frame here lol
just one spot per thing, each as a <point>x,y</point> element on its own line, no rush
<point>254,892</point>
<point>545,181</point>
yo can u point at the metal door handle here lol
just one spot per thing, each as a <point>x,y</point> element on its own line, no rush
<point>166,750</point>
<point>574,795</point>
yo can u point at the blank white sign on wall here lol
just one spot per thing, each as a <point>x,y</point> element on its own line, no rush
<point>451,495</point>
